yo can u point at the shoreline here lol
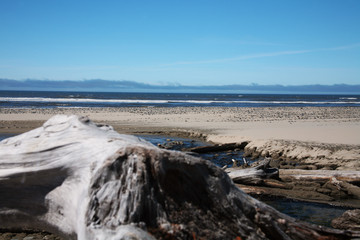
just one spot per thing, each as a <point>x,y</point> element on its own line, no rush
<point>323,137</point>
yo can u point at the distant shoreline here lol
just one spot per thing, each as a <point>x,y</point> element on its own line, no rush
<point>100,85</point>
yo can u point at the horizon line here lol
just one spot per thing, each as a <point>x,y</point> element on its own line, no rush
<point>101,85</point>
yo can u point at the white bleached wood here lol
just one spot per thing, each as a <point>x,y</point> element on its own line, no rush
<point>57,161</point>
<point>253,175</point>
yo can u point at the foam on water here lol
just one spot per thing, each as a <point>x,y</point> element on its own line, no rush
<point>185,100</point>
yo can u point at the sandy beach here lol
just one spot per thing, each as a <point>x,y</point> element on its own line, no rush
<point>296,139</point>
<point>322,136</point>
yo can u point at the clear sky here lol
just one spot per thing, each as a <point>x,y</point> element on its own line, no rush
<point>182,42</point>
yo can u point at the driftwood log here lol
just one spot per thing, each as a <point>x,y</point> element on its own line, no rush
<point>321,175</point>
<point>336,187</point>
<point>84,181</point>
<point>218,147</point>
<point>254,175</point>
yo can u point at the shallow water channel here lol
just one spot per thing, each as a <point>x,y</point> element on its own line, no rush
<point>316,213</point>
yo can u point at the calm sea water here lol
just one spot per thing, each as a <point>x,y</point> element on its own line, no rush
<point>32,99</point>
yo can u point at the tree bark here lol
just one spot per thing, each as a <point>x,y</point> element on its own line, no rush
<point>84,181</point>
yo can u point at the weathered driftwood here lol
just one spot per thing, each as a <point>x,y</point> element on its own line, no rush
<point>84,181</point>
<point>320,175</point>
<point>344,181</point>
<point>254,175</point>
<point>323,186</point>
<point>217,147</point>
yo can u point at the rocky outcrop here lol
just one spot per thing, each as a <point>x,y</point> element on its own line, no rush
<point>84,181</point>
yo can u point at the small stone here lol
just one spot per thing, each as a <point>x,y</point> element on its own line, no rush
<point>28,238</point>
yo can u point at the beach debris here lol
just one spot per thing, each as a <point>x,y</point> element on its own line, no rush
<point>234,163</point>
<point>336,177</point>
<point>81,181</point>
<point>350,220</point>
<point>254,175</point>
<point>218,147</point>
<point>333,187</point>
<point>246,163</point>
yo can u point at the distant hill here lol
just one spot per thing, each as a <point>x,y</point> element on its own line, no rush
<point>99,85</point>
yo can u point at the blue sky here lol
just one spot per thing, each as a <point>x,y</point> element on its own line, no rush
<point>182,42</point>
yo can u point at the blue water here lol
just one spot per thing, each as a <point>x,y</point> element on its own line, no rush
<point>317,213</point>
<point>38,99</point>
<point>6,135</point>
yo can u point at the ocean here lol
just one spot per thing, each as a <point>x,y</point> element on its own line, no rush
<point>47,99</point>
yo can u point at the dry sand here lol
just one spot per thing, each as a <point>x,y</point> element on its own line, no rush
<point>319,135</point>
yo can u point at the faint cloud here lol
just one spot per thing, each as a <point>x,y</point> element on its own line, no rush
<point>232,41</point>
<point>238,58</point>
<point>352,46</point>
<point>263,55</point>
